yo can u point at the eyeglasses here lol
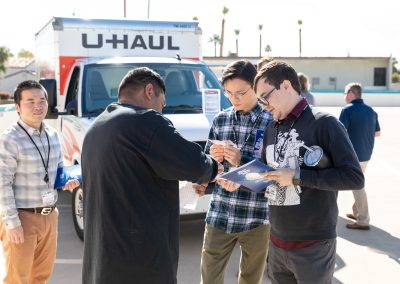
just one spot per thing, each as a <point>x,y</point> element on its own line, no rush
<point>263,99</point>
<point>237,94</point>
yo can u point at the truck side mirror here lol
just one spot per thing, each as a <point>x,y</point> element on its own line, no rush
<point>51,87</point>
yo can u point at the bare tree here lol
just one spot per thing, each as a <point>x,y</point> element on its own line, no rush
<point>221,46</point>
<point>237,32</point>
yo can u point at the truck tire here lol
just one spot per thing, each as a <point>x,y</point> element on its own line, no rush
<point>77,211</point>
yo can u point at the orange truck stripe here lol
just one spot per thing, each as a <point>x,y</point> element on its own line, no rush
<point>66,63</point>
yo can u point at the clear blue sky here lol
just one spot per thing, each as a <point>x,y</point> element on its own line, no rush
<point>330,28</point>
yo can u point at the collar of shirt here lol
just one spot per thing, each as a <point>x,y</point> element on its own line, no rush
<point>357,101</point>
<point>254,113</point>
<point>31,130</point>
<point>296,111</point>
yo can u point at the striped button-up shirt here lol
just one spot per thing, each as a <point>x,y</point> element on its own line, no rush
<point>241,210</point>
<point>22,172</point>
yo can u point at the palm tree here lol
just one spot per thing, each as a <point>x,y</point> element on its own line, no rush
<point>5,54</point>
<point>221,46</point>
<point>260,27</point>
<point>268,48</point>
<point>299,22</point>
<point>216,40</point>
<point>24,53</point>
<point>237,32</point>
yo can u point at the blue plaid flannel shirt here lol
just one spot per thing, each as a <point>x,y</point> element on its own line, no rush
<point>241,210</point>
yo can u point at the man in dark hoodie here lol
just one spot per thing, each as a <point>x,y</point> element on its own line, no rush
<point>314,159</point>
<point>132,160</point>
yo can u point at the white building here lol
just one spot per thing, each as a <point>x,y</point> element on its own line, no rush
<point>17,70</point>
<point>329,73</point>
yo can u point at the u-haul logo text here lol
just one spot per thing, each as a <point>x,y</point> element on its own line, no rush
<point>150,42</point>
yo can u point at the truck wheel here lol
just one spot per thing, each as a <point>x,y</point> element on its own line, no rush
<point>77,211</point>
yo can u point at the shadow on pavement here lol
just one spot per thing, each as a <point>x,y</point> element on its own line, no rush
<point>375,239</point>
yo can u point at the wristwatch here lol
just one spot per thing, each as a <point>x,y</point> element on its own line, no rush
<point>296,179</point>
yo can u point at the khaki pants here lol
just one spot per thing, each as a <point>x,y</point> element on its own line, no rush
<point>218,247</point>
<point>32,261</point>
<point>360,206</point>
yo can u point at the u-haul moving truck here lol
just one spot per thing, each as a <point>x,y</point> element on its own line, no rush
<point>85,60</point>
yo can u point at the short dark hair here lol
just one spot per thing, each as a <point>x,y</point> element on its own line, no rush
<point>139,78</point>
<point>27,85</point>
<point>275,72</point>
<point>356,88</point>
<point>240,69</point>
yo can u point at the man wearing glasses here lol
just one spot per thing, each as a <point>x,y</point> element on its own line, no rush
<point>240,216</point>
<point>302,203</point>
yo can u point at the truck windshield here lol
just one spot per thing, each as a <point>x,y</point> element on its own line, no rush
<point>184,85</point>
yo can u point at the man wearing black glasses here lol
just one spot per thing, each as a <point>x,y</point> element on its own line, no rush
<point>315,159</point>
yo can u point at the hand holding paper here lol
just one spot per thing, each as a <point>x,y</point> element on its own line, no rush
<point>250,176</point>
<point>232,155</point>
<point>71,184</point>
<point>283,176</point>
<point>228,185</point>
<point>225,150</point>
<point>68,177</point>
<point>217,152</point>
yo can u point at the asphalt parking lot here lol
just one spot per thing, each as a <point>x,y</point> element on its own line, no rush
<point>362,256</point>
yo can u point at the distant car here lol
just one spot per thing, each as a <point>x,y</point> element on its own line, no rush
<point>5,98</point>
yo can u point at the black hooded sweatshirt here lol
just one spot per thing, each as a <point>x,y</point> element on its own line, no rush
<point>132,159</point>
<point>311,211</point>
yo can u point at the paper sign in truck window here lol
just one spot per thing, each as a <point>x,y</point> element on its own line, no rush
<point>211,101</point>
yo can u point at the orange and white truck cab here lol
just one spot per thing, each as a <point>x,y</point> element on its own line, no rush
<point>81,63</point>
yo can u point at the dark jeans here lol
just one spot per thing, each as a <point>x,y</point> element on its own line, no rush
<point>312,265</point>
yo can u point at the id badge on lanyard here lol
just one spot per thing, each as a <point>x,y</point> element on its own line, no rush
<point>48,197</point>
<point>258,143</point>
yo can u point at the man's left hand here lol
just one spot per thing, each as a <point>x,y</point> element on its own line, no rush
<point>232,155</point>
<point>282,176</point>
<point>71,184</point>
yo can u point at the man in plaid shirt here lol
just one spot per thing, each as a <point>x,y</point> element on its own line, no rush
<point>240,216</point>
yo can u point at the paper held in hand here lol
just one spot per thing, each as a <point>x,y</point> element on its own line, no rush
<point>67,173</point>
<point>248,175</point>
<point>187,195</point>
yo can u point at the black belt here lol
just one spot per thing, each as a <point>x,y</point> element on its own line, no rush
<point>42,210</point>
